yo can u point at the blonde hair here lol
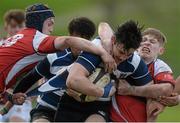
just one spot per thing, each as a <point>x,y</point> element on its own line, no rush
<point>156,33</point>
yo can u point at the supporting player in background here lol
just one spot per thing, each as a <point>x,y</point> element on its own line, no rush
<point>47,103</point>
<point>14,21</point>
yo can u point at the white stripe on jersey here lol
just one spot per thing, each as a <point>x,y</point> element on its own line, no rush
<point>135,60</point>
<point>141,76</point>
<point>43,103</point>
<point>161,66</point>
<point>88,61</point>
<point>53,56</point>
<point>38,38</point>
<point>21,64</point>
<point>115,106</point>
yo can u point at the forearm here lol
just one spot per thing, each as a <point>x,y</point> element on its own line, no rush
<point>83,85</point>
<point>6,108</point>
<point>152,91</point>
<point>78,43</point>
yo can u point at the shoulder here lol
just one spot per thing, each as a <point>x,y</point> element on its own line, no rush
<point>161,66</point>
<point>59,55</point>
<point>135,60</point>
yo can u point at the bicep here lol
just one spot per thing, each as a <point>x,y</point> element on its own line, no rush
<point>77,73</point>
<point>78,70</point>
<point>60,43</point>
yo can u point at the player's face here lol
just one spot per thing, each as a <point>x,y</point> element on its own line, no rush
<point>48,26</point>
<point>119,54</point>
<point>13,27</point>
<point>150,47</point>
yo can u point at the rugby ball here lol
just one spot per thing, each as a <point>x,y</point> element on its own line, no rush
<point>100,78</point>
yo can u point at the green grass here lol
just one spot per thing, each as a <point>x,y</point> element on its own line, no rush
<point>171,114</point>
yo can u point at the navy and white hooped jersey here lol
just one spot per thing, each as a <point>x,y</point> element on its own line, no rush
<point>48,68</point>
<point>134,70</point>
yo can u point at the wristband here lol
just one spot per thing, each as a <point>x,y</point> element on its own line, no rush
<point>10,97</point>
<point>107,90</point>
<point>4,110</point>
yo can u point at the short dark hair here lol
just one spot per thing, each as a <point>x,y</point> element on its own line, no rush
<point>129,34</point>
<point>16,15</point>
<point>83,27</point>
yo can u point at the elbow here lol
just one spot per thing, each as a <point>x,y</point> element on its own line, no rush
<point>167,90</point>
<point>71,81</point>
<point>67,41</point>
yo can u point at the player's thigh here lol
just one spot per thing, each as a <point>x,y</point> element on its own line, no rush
<point>95,118</point>
<point>16,119</point>
<point>42,114</point>
<point>41,120</point>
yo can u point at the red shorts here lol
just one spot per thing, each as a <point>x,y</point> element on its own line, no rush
<point>131,110</point>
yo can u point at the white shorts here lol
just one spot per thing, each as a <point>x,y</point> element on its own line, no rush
<point>21,111</point>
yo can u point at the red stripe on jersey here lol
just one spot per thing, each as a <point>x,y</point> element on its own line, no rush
<point>151,69</point>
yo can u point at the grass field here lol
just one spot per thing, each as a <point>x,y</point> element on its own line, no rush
<point>161,14</point>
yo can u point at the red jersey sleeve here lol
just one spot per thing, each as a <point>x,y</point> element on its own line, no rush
<point>47,45</point>
<point>164,77</point>
<point>43,43</point>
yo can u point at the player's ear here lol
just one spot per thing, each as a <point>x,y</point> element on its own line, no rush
<point>161,50</point>
<point>113,39</point>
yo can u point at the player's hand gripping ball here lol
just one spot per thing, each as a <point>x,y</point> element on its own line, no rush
<point>100,78</point>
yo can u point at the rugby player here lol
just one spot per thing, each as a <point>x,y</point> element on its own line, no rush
<point>14,21</point>
<point>21,52</point>
<point>124,108</point>
<point>47,103</point>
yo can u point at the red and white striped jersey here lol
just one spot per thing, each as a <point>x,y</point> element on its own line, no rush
<point>161,72</point>
<point>20,53</point>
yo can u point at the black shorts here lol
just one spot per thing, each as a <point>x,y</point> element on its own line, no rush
<point>42,112</point>
<point>70,110</point>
